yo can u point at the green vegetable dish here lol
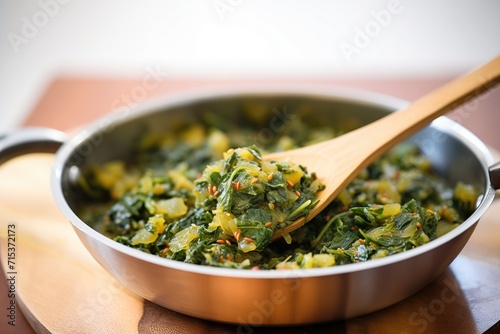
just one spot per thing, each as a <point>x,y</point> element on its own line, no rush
<point>203,195</point>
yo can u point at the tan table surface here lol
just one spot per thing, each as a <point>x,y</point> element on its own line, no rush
<point>60,288</point>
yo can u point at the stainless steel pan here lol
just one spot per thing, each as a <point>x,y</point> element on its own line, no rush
<point>262,297</point>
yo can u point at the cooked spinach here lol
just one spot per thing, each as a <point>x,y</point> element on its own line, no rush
<point>192,197</point>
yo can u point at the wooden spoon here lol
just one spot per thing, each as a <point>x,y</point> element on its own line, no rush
<point>338,161</point>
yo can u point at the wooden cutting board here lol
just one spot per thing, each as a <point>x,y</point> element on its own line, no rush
<point>57,287</point>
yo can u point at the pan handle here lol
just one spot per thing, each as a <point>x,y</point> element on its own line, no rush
<point>495,175</point>
<point>30,140</point>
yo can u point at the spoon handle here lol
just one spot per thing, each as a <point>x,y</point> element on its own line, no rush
<point>337,161</point>
<point>450,96</point>
<point>399,125</point>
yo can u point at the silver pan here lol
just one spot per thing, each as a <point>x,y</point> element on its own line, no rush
<point>262,297</point>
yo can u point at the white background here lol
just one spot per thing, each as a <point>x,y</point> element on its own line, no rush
<point>41,39</point>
